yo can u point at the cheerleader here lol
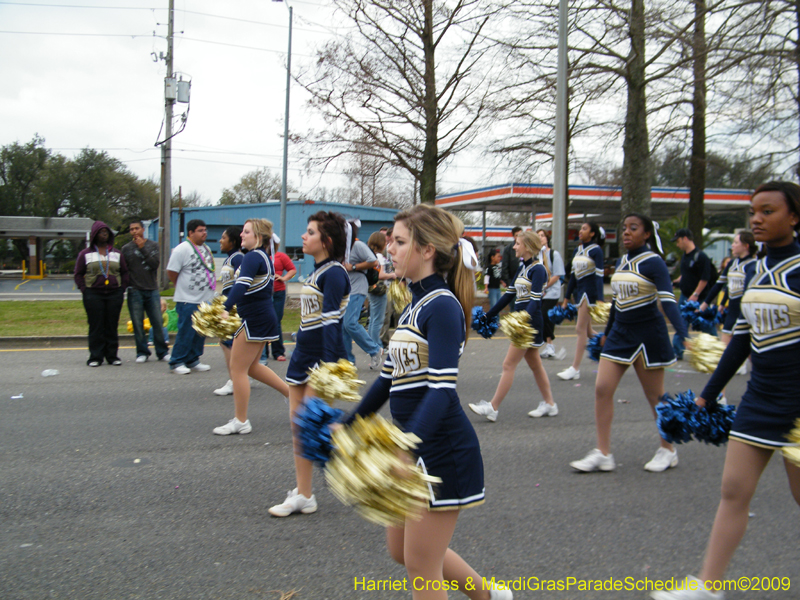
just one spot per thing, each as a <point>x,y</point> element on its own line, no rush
<point>252,295</point>
<point>744,250</point>
<point>587,284</point>
<point>636,334</point>
<point>419,380</point>
<point>231,244</point>
<point>323,302</point>
<point>769,331</point>
<point>532,276</point>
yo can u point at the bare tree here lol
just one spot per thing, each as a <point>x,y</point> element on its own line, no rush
<point>254,187</point>
<point>412,79</point>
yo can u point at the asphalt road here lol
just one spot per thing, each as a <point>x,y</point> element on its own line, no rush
<point>113,487</point>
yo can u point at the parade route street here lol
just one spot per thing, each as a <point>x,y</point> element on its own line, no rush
<point>113,487</point>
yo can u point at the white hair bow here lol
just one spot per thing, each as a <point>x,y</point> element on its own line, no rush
<point>468,256</point>
<point>274,241</point>
<point>658,238</point>
<point>602,232</point>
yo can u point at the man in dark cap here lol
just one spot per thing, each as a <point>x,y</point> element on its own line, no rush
<point>696,273</point>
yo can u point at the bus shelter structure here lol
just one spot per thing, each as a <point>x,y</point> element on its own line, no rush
<point>37,231</point>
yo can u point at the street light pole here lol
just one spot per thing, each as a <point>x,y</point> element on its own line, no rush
<point>286,136</point>
<point>560,185</point>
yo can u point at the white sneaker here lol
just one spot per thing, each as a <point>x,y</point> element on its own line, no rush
<point>142,358</point>
<point>294,503</point>
<point>543,410</point>
<point>692,589</point>
<point>663,460</point>
<point>722,400</point>
<point>594,461</point>
<point>495,593</point>
<point>166,357</point>
<point>561,354</point>
<point>201,367</point>
<point>571,373</point>
<point>484,409</point>
<point>376,360</point>
<point>234,426</point>
<point>225,390</point>
<point>181,370</point>
<point>547,351</point>
<point>743,369</point>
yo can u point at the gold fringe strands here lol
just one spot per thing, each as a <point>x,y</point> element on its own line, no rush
<point>704,352</point>
<point>518,329</point>
<point>372,469</point>
<point>600,312</point>
<point>793,452</point>
<point>336,381</point>
<point>207,320</point>
<point>145,323</point>
<point>399,295</point>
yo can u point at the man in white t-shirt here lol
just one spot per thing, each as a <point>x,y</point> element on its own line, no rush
<point>361,259</point>
<point>191,270</point>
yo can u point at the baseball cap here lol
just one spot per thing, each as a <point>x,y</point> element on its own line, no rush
<point>682,232</point>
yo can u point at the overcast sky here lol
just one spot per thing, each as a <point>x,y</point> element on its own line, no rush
<point>82,73</point>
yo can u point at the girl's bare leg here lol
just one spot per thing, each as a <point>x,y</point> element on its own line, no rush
<point>743,467</point>
<point>584,330</point>
<point>609,375</point>
<point>243,354</point>
<point>539,374</point>
<point>512,359</point>
<point>652,381</point>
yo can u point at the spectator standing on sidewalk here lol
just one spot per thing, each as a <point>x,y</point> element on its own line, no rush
<point>191,270</point>
<point>284,271</point>
<point>101,275</point>
<point>142,258</point>
<point>359,259</point>
<point>510,260</point>
<point>694,279</point>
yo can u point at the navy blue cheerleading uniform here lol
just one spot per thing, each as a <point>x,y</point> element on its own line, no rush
<point>768,330</point>
<point>526,293</point>
<point>252,295</point>
<point>323,301</point>
<point>228,277</point>
<point>587,275</point>
<point>419,379</point>
<point>732,279</point>
<point>635,325</point>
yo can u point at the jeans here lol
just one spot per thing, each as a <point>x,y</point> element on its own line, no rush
<point>102,312</point>
<point>677,346</point>
<point>141,302</point>
<point>494,296</point>
<point>278,301</point>
<point>189,345</point>
<point>377,312</point>
<point>353,330</point>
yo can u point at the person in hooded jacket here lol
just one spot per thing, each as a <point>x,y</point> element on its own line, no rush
<point>101,275</point>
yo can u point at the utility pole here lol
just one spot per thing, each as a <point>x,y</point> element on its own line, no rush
<point>286,137</point>
<point>164,213</point>
<point>560,185</point>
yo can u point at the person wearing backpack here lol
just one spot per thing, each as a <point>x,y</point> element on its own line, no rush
<point>358,260</point>
<point>696,279</point>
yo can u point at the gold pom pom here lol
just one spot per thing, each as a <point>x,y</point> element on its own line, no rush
<point>600,312</point>
<point>793,452</point>
<point>207,320</point>
<point>518,329</point>
<point>704,352</point>
<point>399,295</point>
<point>336,381</point>
<point>372,469</point>
<point>145,323</point>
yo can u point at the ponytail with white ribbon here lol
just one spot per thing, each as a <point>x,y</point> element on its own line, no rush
<point>602,232</point>
<point>468,256</point>
<point>275,240</point>
<point>658,238</point>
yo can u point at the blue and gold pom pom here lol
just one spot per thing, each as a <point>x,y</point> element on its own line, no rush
<point>558,314</point>
<point>313,421</point>
<point>593,348</point>
<point>482,324</point>
<point>680,419</point>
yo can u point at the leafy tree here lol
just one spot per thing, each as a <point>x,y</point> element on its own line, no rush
<point>413,79</point>
<point>255,187</point>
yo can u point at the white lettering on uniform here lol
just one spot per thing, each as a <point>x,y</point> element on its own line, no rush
<point>765,318</point>
<point>310,305</point>
<point>405,356</point>
<point>625,289</point>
